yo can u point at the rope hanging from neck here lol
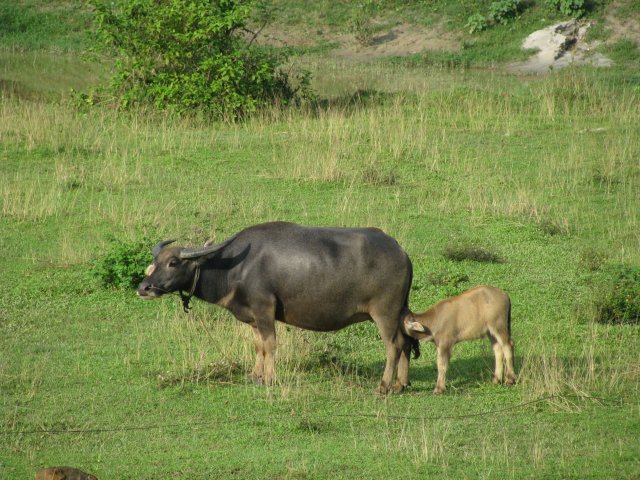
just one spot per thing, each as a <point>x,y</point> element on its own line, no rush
<point>187,298</point>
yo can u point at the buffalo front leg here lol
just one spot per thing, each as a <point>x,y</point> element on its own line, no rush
<point>258,369</point>
<point>267,331</point>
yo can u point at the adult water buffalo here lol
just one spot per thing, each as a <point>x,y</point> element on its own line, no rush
<point>315,278</point>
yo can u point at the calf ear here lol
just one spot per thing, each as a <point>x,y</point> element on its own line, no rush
<point>414,327</point>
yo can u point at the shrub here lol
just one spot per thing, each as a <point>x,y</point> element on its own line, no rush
<point>619,299</point>
<point>446,278</point>
<point>185,55</point>
<point>570,8</point>
<point>123,263</point>
<point>552,227</point>
<point>476,23</point>
<point>591,260</point>
<point>504,10</point>
<point>361,29</point>
<point>460,252</point>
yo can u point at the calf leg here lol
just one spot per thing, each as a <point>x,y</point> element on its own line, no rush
<point>444,354</point>
<point>508,350</point>
<point>498,352</point>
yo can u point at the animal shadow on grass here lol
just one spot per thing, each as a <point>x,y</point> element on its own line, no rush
<point>464,374</point>
<point>214,372</point>
<point>350,103</point>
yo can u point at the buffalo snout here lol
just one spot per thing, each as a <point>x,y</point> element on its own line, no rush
<point>147,290</point>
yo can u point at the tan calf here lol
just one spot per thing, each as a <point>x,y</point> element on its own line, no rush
<point>478,312</point>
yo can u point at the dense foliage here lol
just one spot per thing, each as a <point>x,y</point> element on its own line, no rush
<point>619,301</point>
<point>575,8</point>
<point>123,263</point>
<point>186,55</point>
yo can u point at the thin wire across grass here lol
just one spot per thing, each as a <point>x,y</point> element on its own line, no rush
<point>234,419</point>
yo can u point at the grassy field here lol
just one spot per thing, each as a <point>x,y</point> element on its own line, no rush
<point>543,172</point>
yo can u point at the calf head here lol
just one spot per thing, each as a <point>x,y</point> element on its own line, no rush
<point>173,269</point>
<point>416,329</point>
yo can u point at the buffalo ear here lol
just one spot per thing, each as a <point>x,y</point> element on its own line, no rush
<point>150,269</point>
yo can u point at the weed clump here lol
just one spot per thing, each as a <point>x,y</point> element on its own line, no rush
<point>618,299</point>
<point>591,260</point>
<point>475,253</point>
<point>445,278</point>
<point>123,263</point>
<point>551,227</point>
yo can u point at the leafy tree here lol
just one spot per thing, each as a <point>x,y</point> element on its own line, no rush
<point>186,55</point>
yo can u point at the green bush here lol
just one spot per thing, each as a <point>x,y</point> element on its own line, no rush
<point>186,55</point>
<point>476,23</point>
<point>504,10</point>
<point>570,8</point>
<point>619,298</point>
<point>123,263</point>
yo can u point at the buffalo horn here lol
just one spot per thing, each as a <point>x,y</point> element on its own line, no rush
<point>158,248</point>
<point>199,252</point>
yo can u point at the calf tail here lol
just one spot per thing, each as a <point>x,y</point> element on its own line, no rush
<point>414,342</point>
<point>415,347</point>
<point>509,318</point>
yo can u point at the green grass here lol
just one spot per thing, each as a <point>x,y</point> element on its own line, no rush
<point>33,24</point>
<point>543,172</point>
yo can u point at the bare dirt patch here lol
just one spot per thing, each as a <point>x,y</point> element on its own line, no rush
<point>620,27</point>
<point>404,39</point>
<point>401,40</point>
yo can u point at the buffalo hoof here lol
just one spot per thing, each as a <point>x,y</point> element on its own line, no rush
<point>256,379</point>
<point>438,391</point>
<point>495,380</point>
<point>510,381</point>
<point>398,387</point>
<point>382,391</point>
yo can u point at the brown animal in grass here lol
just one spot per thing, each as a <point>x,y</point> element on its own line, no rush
<point>478,312</point>
<point>63,473</point>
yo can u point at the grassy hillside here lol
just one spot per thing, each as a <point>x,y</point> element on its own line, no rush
<point>541,171</point>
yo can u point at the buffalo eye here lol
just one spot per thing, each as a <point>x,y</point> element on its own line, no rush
<point>173,263</point>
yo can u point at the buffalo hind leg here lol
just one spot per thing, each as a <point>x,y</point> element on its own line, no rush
<point>394,342</point>
<point>402,379</point>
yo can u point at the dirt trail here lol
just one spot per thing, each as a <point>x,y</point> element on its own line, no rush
<point>404,39</point>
